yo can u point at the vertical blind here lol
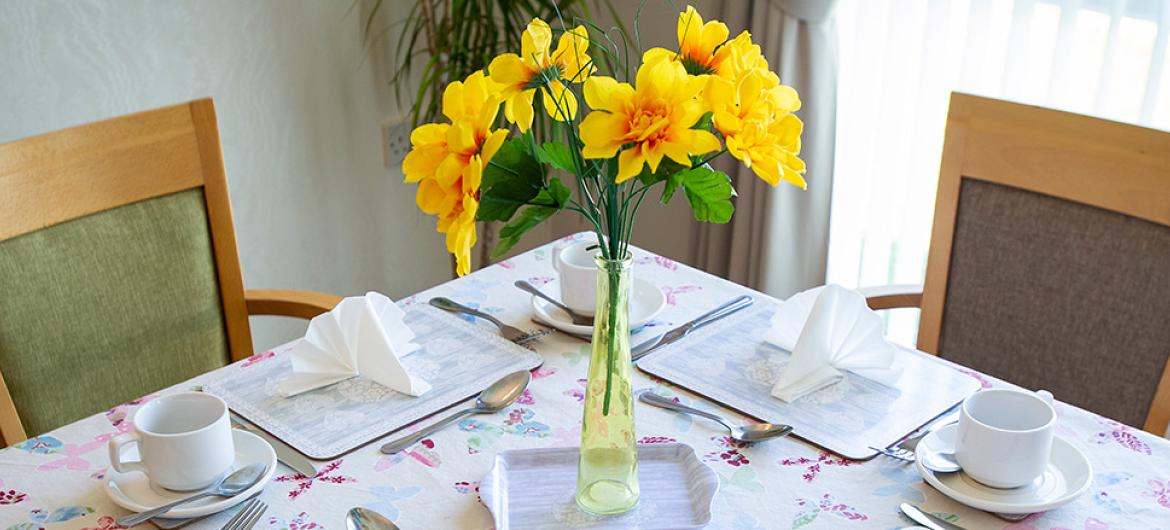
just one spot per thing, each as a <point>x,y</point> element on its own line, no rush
<point>901,59</point>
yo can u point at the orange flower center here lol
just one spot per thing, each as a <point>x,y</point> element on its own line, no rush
<point>649,122</point>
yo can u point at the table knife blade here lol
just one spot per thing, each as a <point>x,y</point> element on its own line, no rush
<point>284,452</point>
<point>926,519</point>
<point>726,309</point>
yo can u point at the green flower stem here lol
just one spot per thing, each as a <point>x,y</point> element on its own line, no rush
<point>614,296</point>
<point>710,158</point>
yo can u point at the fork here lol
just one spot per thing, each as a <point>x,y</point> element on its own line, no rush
<point>513,334</point>
<point>899,453</point>
<point>248,516</point>
<point>904,450</point>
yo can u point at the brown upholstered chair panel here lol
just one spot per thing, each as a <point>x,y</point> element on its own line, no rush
<point>1049,293</point>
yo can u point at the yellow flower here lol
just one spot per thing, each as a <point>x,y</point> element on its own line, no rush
<point>696,44</point>
<point>521,75</point>
<point>739,56</point>
<point>447,161</point>
<point>461,235</point>
<point>756,121</point>
<point>655,118</point>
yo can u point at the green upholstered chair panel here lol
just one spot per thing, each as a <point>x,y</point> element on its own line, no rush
<point>107,308</point>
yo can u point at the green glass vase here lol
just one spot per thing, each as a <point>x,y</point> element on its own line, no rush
<point>607,470</point>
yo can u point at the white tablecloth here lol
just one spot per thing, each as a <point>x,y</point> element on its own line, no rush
<point>54,481</point>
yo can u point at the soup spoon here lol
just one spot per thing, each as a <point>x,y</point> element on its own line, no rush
<point>367,519</point>
<point>750,434</point>
<point>493,399</point>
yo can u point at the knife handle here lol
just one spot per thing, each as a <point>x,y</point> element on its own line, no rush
<point>731,306</point>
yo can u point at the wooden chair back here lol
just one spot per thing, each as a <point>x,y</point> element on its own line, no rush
<point>1049,261</point>
<point>61,176</point>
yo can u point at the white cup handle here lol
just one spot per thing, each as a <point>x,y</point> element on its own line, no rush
<point>116,444</point>
<point>556,257</point>
<point>1046,396</point>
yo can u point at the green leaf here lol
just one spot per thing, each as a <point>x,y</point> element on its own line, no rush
<point>704,122</point>
<point>510,180</point>
<point>666,169</point>
<point>669,188</point>
<point>557,155</point>
<point>546,203</point>
<point>709,193</point>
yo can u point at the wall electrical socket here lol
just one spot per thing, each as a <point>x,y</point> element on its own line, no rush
<point>395,140</point>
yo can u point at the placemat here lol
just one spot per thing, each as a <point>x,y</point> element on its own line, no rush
<point>459,359</point>
<point>729,362</point>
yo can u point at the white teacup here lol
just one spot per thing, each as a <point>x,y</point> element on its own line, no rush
<point>184,441</point>
<point>577,272</point>
<point>1005,436</point>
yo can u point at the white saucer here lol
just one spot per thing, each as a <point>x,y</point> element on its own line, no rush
<point>133,492</point>
<point>1068,475</point>
<point>646,301</point>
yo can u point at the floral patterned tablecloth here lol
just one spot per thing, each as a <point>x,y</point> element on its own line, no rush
<point>53,481</point>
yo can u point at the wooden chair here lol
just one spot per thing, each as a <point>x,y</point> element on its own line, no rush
<point>119,274</point>
<point>1049,262</point>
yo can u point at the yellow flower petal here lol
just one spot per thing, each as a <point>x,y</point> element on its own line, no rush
<point>606,93</point>
<point>450,170</point>
<point>535,41</point>
<point>700,142</point>
<point>509,70</point>
<point>429,196</point>
<point>572,56</point>
<point>658,54</point>
<point>564,107</point>
<point>492,144</point>
<point>428,133</point>
<point>518,109</point>
<point>653,153</point>
<point>472,175</point>
<point>690,25</point>
<point>629,164</point>
<point>677,152</point>
<point>602,134</point>
<point>453,100</point>
<point>461,235</point>
<point>422,162</point>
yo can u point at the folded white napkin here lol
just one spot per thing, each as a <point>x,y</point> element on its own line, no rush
<point>363,335</point>
<point>829,329</point>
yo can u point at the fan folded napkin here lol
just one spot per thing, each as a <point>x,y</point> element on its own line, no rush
<point>363,335</point>
<point>829,330</point>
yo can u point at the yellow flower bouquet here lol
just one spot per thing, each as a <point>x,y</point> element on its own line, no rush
<point>657,128</point>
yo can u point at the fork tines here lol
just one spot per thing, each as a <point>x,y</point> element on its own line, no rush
<point>248,516</point>
<point>899,453</point>
<point>532,335</point>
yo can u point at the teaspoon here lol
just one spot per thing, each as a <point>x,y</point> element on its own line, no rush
<point>577,318</point>
<point>233,485</point>
<point>751,434</point>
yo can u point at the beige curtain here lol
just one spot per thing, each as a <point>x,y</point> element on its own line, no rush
<point>777,241</point>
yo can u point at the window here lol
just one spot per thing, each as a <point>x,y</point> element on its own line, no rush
<point>899,62</point>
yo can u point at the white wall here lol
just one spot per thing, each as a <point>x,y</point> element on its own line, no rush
<point>299,105</point>
<point>300,101</point>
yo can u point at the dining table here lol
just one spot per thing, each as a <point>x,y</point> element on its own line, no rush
<point>55,480</point>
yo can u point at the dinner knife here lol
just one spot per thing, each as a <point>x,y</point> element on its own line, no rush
<point>735,304</point>
<point>931,521</point>
<point>284,452</point>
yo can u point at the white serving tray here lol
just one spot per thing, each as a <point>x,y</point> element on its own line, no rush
<point>458,358</point>
<point>729,362</point>
<point>533,489</point>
